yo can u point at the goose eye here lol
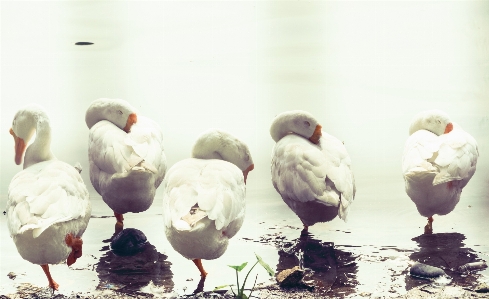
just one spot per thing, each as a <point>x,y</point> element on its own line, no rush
<point>247,158</point>
<point>120,112</point>
<point>307,123</point>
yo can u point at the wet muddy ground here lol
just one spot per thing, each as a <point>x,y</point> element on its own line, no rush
<point>367,257</point>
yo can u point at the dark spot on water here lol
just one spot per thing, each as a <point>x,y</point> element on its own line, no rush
<point>129,273</point>
<point>328,270</point>
<point>83,43</point>
<point>448,252</point>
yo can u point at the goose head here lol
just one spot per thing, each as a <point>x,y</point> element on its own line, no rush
<point>435,121</point>
<point>218,144</point>
<point>24,125</point>
<point>117,111</point>
<point>296,121</point>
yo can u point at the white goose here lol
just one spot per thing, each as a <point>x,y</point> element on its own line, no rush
<point>438,161</point>
<point>311,170</point>
<point>204,198</point>
<point>48,206</point>
<point>125,151</point>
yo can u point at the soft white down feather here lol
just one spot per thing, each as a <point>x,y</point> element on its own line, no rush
<point>438,161</point>
<point>204,197</point>
<point>125,151</point>
<point>311,169</point>
<point>48,200</point>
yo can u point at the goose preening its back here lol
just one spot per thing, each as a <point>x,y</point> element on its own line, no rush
<point>125,151</point>
<point>438,161</point>
<point>204,197</point>
<point>311,169</point>
<point>48,206</point>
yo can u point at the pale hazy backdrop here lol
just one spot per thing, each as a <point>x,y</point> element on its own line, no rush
<point>363,68</point>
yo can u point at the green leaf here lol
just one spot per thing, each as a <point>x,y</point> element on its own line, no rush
<point>242,296</point>
<point>265,265</point>
<point>221,287</point>
<point>239,268</point>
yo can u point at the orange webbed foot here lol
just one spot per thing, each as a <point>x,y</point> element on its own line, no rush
<point>305,230</point>
<point>428,229</point>
<point>120,220</point>
<point>52,284</point>
<point>198,263</point>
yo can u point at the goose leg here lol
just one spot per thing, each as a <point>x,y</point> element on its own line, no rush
<point>428,229</point>
<point>52,284</point>
<point>306,227</point>
<point>120,219</point>
<point>198,263</point>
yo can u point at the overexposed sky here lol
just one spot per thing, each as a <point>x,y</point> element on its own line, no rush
<point>363,68</point>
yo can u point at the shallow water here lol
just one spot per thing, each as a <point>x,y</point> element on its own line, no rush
<point>370,254</point>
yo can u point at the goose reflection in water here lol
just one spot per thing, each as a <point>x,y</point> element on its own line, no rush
<point>327,268</point>
<point>134,265</point>
<point>448,252</point>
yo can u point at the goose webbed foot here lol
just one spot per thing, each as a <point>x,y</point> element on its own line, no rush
<point>198,263</point>
<point>52,284</point>
<point>428,229</point>
<point>120,220</point>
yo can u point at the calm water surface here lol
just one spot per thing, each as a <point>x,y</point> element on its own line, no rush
<point>370,253</point>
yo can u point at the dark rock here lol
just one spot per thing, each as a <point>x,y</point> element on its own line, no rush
<point>290,277</point>
<point>426,271</point>
<point>482,288</point>
<point>128,242</point>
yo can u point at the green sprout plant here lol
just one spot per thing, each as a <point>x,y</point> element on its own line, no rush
<point>240,291</point>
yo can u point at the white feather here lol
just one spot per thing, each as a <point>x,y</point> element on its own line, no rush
<point>125,168</point>
<point>430,160</point>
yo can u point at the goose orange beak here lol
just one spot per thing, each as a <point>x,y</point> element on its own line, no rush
<point>316,135</point>
<point>131,120</point>
<point>245,172</point>
<point>19,147</point>
<point>448,128</point>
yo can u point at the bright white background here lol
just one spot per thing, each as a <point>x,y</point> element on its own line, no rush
<point>363,68</point>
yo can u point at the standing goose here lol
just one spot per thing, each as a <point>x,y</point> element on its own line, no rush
<point>311,169</point>
<point>125,151</point>
<point>48,205</point>
<point>438,161</point>
<point>204,198</point>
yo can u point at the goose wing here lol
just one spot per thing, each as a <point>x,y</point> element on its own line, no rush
<point>215,186</point>
<point>452,156</point>
<point>111,150</point>
<point>44,194</point>
<point>305,172</point>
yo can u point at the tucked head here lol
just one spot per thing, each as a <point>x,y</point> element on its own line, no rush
<point>296,121</point>
<point>219,144</point>
<point>435,121</point>
<point>117,111</point>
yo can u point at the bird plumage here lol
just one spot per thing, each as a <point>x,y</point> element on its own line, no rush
<point>314,180</point>
<point>204,197</point>
<point>436,167</point>
<point>125,167</point>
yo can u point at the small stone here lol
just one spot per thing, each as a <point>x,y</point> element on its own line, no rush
<point>12,275</point>
<point>426,271</point>
<point>290,277</point>
<point>128,242</point>
<point>482,288</point>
